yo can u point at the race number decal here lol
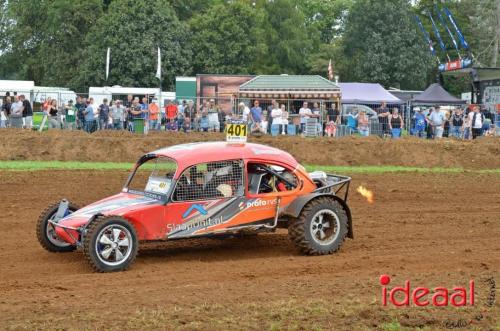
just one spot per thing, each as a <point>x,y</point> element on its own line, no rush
<point>236,132</point>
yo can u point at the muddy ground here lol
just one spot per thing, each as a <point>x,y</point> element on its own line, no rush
<point>112,146</point>
<point>433,229</point>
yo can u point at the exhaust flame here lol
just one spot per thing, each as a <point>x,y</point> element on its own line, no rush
<point>366,193</point>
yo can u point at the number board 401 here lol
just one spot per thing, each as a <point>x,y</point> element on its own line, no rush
<point>236,132</point>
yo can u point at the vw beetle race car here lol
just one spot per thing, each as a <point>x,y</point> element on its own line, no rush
<point>209,189</point>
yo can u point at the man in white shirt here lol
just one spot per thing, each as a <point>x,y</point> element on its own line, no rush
<point>277,116</point>
<point>16,113</point>
<point>436,120</point>
<point>476,120</point>
<point>304,113</point>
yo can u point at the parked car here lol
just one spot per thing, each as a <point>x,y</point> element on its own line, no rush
<point>349,113</point>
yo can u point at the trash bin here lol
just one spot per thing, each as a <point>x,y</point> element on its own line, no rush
<point>37,121</point>
<point>139,125</point>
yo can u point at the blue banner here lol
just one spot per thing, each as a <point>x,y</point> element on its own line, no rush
<point>426,35</point>
<point>464,43</point>
<point>445,26</point>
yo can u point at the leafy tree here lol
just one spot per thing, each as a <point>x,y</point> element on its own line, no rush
<point>326,16</point>
<point>228,39</point>
<point>382,44</point>
<point>290,42</point>
<point>133,30</point>
<point>186,9</point>
<point>41,38</point>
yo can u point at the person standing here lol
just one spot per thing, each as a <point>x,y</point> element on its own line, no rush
<point>90,123</point>
<point>284,119</point>
<point>154,112</point>
<point>171,112</point>
<point>497,120</point>
<point>6,110</point>
<point>476,120</point>
<point>145,113</point>
<point>127,115</point>
<point>27,112</point>
<point>457,122</point>
<point>135,113</point>
<point>420,123</point>
<point>70,111</point>
<point>190,115</point>
<point>80,117</point>
<point>244,111</point>
<point>16,114</point>
<point>436,121</point>
<point>213,117</point>
<point>116,113</point>
<point>256,117</point>
<point>383,118</point>
<point>52,113</point>
<point>277,118</point>
<point>363,125</point>
<point>103,115</point>
<point>304,113</point>
<point>395,123</point>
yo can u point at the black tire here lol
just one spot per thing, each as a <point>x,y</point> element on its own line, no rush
<point>301,230</point>
<point>94,252</point>
<point>52,244</point>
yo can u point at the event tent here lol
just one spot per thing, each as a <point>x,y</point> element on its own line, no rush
<point>435,94</point>
<point>289,87</point>
<point>367,93</point>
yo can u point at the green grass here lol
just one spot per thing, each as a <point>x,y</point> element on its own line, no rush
<point>77,165</point>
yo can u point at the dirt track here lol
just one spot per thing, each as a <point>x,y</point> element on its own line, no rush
<point>123,146</point>
<point>436,230</point>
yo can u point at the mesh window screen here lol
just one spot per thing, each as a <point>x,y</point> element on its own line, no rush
<point>214,180</point>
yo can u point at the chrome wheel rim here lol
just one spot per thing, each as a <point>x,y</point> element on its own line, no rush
<point>51,234</point>
<point>113,245</point>
<point>325,226</point>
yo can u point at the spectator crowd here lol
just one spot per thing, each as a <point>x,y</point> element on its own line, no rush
<point>135,114</point>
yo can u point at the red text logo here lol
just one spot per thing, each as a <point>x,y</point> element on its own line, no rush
<point>423,296</point>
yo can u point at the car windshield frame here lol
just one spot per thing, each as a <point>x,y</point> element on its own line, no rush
<point>148,158</point>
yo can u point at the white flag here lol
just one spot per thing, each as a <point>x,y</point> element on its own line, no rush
<point>158,68</point>
<point>107,63</point>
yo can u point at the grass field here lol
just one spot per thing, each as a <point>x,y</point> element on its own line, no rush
<point>77,165</point>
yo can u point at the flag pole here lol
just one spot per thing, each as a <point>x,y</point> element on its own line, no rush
<point>158,75</point>
<point>107,63</point>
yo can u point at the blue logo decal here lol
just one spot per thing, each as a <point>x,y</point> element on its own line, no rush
<point>197,207</point>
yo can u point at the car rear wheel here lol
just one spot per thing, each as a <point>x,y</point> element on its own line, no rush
<point>320,228</point>
<point>110,244</point>
<point>46,232</point>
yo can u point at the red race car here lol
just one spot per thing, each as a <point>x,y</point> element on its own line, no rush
<point>203,189</point>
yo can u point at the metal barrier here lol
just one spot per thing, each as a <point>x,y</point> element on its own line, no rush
<point>279,117</point>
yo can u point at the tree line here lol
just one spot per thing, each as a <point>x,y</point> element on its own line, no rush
<point>64,42</point>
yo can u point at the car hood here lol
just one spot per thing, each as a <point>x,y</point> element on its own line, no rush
<point>115,205</point>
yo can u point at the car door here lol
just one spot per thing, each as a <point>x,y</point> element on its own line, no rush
<point>267,192</point>
<point>205,198</point>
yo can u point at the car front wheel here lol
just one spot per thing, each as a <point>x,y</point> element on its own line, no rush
<point>320,228</point>
<point>110,244</point>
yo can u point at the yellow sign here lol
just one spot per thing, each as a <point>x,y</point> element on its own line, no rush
<point>236,133</point>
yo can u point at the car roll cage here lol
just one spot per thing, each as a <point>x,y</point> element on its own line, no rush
<point>335,183</point>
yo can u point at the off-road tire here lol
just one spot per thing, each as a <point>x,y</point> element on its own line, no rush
<point>300,233</point>
<point>41,228</point>
<point>89,243</point>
